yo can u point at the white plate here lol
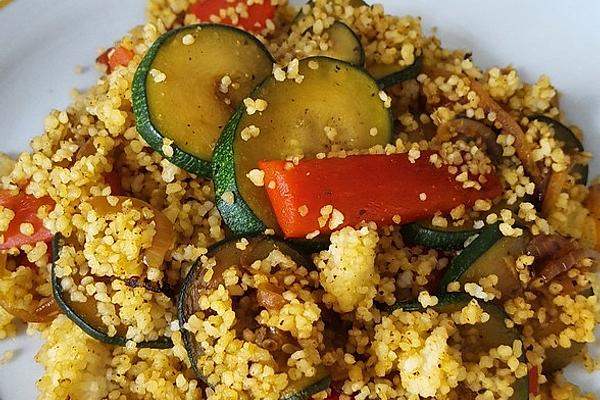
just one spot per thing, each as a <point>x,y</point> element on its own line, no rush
<point>42,41</point>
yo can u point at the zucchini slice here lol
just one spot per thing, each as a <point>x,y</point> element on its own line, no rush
<point>571,145</point>
<point>490,334</point>
<point>303,389</point>
<point>559,357</point>
<point>490,253</point>
<point>392,74</point>
<point>304,16</point>
<point>345,45</point>
<point>187,104</point>
<point>227,254</point>
<point>425,234</point>
<point>336,95</point>
<point>85,315</point>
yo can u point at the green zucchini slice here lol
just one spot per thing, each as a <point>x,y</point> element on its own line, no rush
<point>571,145</point>
<point>187,104</point>
<point>423,233</point>
<point>227,254</point>
<point>85,315</point>
<point>559,357</point>
<point>392,74</point>
<point>345,45</point>
<point>336,95</point>
<point>490,334</point>
<point>304,17</point>
<point>303,389</point>
<point>490,253</point>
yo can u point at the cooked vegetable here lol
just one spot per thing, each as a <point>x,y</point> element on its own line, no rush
<point>392,74</point>
<point>556,184</point>
<point>188,85</point>
<point>304,389</point>
<point>571,146</point>
<point>523,147</point>
<point>397,189</point>
<point>490,334</point>
<point>533,380</point>
<point>305,19</point>
<point>226,255</point>
<point>113,180</point>
<point>25,207</point>
<point>258,13</point>
<point>45,311</point>
<point>542,246</point>
<point>464,128</point>
<point>336,97</point>
<point>115,57</point>
<point>345,45</point>
<point>564,262</point>
<point>86,315</point>
<point>425,234</point>
<point>490,253</point>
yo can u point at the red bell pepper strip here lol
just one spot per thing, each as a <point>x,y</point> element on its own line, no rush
<point>25,207</point>
<point>533,377</point>
<point>114,57</point>
<point>256,21</point>
<point>367,188</point>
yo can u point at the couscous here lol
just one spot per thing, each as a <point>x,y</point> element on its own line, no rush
<point>261,202</point>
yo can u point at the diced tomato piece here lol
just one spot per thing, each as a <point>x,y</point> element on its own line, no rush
<point>120,56</point>
<point>113,57</point>
<point>377,188</point>
<point>255,21</point>
<point>25,207</point>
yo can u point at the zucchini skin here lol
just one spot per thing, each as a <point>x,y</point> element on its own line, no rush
<point>571,144</point>
<point>306,393</point>
<point>143,119</point>
<point>184,308</point>
<point>238,216</point>
<point>360,60</point>
<point>57,243</point>
<point>440,239</point>
<point>448,300</point>
<point>486,239</point>
<point>405,74</point>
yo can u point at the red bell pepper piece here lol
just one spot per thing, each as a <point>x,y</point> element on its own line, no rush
<point>25,207</point>
<point>258,14</point>
<point>365,188</point>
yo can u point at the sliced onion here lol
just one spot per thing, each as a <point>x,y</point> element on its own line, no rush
<point>592,202</point>
<point>554,187</point>
<point>45,312</point>
<point>543,246</point>
<point>523,147</point>
<point>163,239</point>
<point>269,297</point>
<point>565,262</point>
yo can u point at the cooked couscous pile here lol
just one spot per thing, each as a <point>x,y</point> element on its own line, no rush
<point>126,263</point>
